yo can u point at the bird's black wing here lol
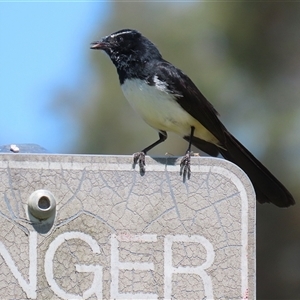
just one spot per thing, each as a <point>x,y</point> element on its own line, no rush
<point>190,98</point>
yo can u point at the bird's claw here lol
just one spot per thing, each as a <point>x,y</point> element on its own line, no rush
<point>139,158</point>
<point>185,166</point>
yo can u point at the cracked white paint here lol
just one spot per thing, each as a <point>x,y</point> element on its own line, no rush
<point>96,286</point>
<point>198,270</point>
<point>121,235</point>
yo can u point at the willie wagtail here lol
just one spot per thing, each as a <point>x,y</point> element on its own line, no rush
<point>168,100</point>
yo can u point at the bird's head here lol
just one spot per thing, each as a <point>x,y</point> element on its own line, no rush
<point>126,46</point>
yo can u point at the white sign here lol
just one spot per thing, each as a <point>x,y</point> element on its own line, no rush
<point>119,235</point>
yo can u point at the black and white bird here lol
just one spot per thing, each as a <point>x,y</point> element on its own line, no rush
<point>168,100</point>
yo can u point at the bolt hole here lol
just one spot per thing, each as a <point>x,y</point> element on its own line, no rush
<point>44,203</point>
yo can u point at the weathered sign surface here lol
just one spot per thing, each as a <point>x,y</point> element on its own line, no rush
<point>115,234</point>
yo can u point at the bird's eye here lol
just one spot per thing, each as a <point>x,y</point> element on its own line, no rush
<point>120,39</point>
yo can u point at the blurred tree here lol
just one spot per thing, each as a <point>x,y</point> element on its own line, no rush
<point>245,57</point>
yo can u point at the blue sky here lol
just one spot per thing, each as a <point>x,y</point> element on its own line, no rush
<point>43,48</point>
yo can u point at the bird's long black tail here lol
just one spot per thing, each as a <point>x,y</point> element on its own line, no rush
<point>267,187</point>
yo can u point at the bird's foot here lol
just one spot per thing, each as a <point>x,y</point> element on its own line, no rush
<point>139,158</point>
<point>185,166</point>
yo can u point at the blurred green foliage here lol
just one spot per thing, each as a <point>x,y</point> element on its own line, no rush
<point>245,57</point>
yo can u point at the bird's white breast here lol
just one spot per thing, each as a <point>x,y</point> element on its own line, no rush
<point>160,110</point>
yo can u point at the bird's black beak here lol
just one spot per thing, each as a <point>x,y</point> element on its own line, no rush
<point>100,45</point>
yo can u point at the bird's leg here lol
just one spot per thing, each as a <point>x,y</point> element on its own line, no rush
<point>185,164</point>
<point>139,157</point>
